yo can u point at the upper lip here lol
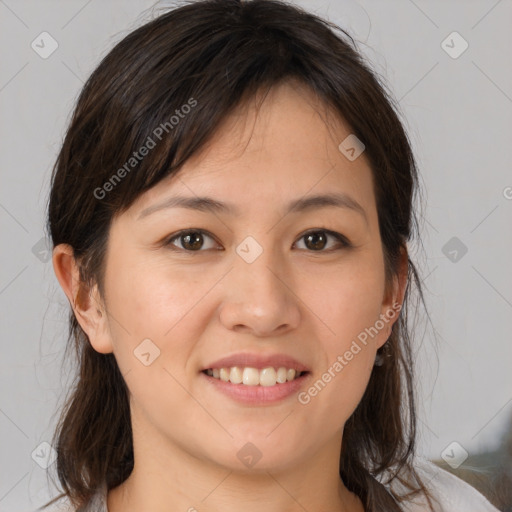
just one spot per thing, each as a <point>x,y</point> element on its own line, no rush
<point>258,361</point>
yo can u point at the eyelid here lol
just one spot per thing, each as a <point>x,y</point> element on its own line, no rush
<point>342,239</point>
<point>167,241</point>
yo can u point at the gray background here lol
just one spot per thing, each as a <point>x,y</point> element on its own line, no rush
<point>458,112</point>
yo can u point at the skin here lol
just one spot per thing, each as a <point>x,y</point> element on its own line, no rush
<point>200,306</point>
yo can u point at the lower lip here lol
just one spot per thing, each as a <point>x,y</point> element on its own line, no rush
<point>257,395</point>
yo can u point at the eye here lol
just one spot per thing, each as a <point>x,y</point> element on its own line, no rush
<point>192,240</point>
<point>316,240</point>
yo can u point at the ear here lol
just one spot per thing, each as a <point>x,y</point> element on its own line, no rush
<point>87,304</point>
<point>394,295</point>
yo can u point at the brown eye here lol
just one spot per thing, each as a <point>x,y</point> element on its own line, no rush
<point>317,240</point>
<point>190,240</point>
<point>193,240</point>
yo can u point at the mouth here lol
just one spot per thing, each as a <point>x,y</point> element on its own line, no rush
<point>249,376</point>
<point>256,379</point>
<point>256,387</point>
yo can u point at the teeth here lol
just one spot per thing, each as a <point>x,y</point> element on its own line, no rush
<point>224,374</point>
<point>268,377</point>
<point>281,375</point>
<point>253,377</point>
<point>235,375</point>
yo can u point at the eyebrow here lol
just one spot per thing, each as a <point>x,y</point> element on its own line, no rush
<point>208,204</point>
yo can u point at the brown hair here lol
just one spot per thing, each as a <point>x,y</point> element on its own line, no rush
<point>218,53</point>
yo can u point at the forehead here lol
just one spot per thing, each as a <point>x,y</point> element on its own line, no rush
<point>271,150</point>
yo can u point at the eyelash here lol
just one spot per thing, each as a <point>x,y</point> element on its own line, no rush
<point>345,243</point>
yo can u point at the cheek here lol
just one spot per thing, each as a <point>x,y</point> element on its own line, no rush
<point>145,302</point>
<point>150,298</point>
<point>348,356</point>
<point>152,323</point>
<point>349,301</point>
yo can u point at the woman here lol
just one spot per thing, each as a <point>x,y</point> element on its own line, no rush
<point>230,212</point>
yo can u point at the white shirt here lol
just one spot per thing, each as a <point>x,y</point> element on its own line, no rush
<point>451,493</point>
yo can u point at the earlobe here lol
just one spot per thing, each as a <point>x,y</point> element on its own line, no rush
<point>86,303</point>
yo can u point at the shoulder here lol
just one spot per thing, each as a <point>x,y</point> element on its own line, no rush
<point>451,494</point>
<point>63,505</point>
<point>98,503</point>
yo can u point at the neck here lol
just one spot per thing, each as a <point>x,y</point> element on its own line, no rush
<point>171,479</point>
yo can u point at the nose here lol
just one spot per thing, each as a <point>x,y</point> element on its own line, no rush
<point>260,298</point>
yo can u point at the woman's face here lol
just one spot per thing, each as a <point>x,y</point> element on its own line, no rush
<point>252,286</point>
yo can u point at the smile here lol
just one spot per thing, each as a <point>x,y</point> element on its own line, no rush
<point>249,376</point>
